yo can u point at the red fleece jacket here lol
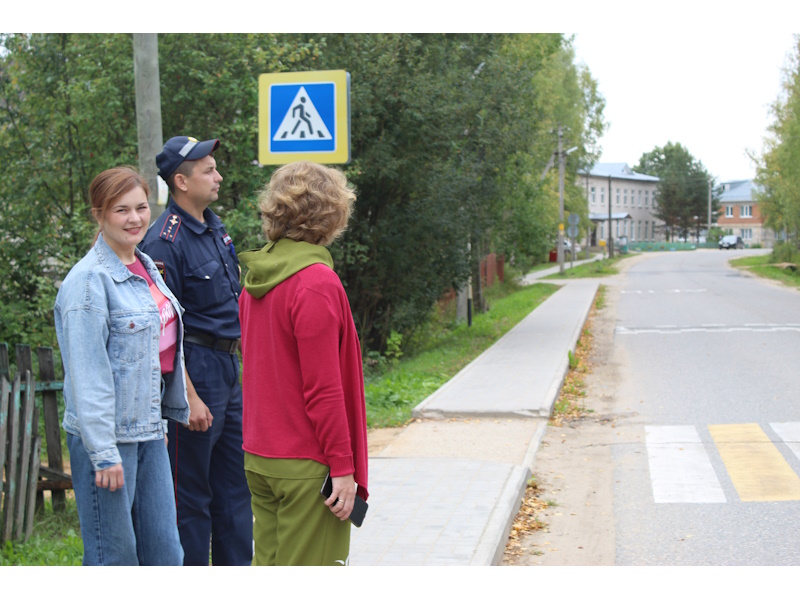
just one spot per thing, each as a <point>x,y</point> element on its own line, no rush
<point>302,380</point>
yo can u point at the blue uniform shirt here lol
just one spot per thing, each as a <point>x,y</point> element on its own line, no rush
<point>199,264</point>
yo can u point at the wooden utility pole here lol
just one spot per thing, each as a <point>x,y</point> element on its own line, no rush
<point>148,112</point>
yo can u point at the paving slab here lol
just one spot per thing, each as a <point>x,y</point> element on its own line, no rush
<point>446,490</point>
<point>498,440</point>
<point>437,511</point>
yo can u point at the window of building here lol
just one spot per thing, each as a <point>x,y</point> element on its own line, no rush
<point>640,198</point>
<point>746,211</point>
<point>747,234</point>
<point>602,231</point>
<point>625,197</point>
<point>593,196</point>
<point>603,196</point>
<point>646,224</point>
<point>639,229</point>
<point>617,196</point>
<point>646,197</point>
<point>728,211</point>
<point>617,228</point>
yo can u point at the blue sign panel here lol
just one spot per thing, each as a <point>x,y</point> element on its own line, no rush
<point>302,117</point>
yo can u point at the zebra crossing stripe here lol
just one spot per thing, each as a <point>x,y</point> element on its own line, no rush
<point>756,467</point>
<point>680,469</point>
<point>790,434</point>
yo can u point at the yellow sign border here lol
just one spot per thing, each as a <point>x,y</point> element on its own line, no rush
<point>341,81</point>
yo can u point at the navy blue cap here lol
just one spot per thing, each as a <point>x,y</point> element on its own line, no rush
<point>179,149</point>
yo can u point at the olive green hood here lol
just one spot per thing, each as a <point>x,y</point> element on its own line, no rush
<point>277,261</point>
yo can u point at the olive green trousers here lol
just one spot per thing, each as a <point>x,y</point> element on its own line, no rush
<point>292,526</point>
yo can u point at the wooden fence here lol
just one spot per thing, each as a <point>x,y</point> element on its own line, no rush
<point>25,478</point>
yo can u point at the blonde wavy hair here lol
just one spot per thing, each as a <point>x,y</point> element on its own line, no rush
<point>306,202</point>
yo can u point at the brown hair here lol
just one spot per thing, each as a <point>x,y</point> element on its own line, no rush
<point>110,185</point>
<point>306,202</point>
<point>185,169</point>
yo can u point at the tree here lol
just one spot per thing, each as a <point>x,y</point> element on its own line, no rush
<point>682,200</point>
<point>450,134</point>
<point>778,170</point>
<point>53,140</point>
<point>67,112</point>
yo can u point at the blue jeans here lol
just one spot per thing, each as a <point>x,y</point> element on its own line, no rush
<point>136,524</point>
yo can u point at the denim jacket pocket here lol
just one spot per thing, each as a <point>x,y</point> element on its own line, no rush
<point>129,337</point>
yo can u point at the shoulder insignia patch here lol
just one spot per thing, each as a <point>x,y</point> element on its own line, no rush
<point>161,269</point>
<point>170,230</point>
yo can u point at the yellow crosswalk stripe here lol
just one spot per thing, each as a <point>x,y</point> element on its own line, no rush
<point>756,467</point>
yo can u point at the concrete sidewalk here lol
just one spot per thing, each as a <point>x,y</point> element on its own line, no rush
<point>446,490</point>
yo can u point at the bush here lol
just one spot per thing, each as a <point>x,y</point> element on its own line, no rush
<point>783,252</point>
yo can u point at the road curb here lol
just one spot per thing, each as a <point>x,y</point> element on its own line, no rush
<point>492,544</point>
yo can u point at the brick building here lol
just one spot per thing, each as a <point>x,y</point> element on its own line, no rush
<point>741,214</point>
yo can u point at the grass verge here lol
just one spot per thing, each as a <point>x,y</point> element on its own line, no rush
<point>55,541</point>
<point>442,349</point>
<point>597,268</point>
<point>766,266</point>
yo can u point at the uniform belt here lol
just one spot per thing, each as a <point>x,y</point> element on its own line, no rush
<point>229,346</point>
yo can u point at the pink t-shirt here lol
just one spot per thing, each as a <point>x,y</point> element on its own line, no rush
<point>169,320</point>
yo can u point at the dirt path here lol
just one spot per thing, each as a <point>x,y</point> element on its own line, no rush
<point>570,519</point>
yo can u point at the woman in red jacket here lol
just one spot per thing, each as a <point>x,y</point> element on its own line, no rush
<point>304,412</point>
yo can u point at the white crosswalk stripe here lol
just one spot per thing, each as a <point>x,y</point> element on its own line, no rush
<point>681,470</point>
<point>790,434</point>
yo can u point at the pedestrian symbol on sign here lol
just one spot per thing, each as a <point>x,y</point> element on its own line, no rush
<point>302,121</point>
<point>304,116</point>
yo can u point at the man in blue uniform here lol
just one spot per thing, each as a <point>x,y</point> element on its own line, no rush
<point>197,259</point>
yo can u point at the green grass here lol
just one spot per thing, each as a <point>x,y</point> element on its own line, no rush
<point>56,541</point>
<point>442,349</point>
<point>763,266</point>
<point>597,268</point>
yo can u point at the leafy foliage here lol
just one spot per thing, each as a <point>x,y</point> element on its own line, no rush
<point>778,172</point>
<point>450,134</point>
<point>682,190</point>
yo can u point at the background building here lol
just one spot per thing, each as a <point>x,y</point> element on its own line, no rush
<point>741,215</point>
<point>632,196</point>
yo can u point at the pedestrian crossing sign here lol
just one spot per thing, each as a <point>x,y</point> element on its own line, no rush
<point>304,116</point>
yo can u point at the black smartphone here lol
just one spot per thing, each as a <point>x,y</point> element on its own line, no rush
<point>360,508</point>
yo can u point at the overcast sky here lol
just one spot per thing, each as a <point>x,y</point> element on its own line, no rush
<point>711,92</point>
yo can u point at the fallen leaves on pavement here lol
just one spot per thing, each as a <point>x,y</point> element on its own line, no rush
<point>527,519</point>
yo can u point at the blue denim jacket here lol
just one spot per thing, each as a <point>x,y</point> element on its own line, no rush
<point>108,328</point>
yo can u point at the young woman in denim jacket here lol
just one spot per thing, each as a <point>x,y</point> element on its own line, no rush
<point>120,334</point>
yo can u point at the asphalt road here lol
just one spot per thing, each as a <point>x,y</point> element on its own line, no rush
<point>707,469</point>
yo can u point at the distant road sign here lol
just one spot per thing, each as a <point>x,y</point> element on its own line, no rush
<point>573,219</point>
<point>572,231</point>
<point>304,116</point>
